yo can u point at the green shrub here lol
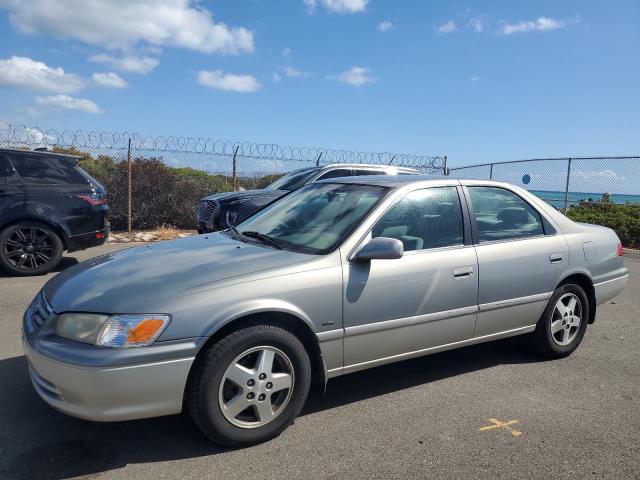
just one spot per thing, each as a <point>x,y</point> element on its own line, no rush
<point>623,219</point>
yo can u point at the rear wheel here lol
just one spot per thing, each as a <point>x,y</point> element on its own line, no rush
<point>29,248</point>
<point>249,386</point>
<point>563,323</point>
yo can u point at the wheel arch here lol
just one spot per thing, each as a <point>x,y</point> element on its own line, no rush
<point>292,322</point>
<point>584,280</point>
<point>57,228</point>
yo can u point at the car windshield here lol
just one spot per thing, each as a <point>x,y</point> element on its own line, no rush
<point>293,180</point>
<point>314,219</point>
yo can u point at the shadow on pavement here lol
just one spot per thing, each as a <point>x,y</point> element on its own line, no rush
<point>65,263</point>
<point>47,445</point>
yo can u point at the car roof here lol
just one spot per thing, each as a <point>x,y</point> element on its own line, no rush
<point>372,166</point>
<point>397,181</point>
<point>38,152</point>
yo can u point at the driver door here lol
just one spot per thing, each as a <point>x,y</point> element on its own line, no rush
<point>399,308</point>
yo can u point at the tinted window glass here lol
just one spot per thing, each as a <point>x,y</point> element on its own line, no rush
<point>369,172</point>
<point>340,172</point>
<point>48,170</point>
<point>429,218</point>
<point>501,214</point>
<point>293,180</point>
<point>7,174</point>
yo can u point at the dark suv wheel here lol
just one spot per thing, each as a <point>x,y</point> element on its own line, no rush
<point>29,248</point>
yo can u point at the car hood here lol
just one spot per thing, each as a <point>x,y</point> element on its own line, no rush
<point>229,197</point>
<point>138,279</point>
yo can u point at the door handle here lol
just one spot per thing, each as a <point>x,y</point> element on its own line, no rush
<point>463,272</point>
<point>556,258</point>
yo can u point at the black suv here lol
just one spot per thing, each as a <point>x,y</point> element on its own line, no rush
<point>220,211</point>
<point>48,204</point>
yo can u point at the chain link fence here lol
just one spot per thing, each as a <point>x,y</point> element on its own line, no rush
<point>600,190</point>
<point>153,181</point>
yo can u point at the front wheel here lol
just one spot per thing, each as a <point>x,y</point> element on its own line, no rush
<point>249,386</point>
<point>563,323</point>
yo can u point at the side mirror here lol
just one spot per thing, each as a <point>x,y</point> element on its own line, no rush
<point>380,248</point>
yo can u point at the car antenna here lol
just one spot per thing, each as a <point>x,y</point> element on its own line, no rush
<point>392,159</point>
<point>318,160</point>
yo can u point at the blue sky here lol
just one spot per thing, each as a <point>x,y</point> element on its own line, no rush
<point>477,81</point>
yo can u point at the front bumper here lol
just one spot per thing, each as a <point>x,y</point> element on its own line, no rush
<point>107,394</point>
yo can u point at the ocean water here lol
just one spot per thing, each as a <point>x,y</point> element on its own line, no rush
<point>557,198</point>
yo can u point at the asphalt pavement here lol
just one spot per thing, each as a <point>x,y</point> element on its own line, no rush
<point>488,411</point>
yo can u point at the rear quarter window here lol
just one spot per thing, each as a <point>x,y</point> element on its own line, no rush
<point>48,170</point>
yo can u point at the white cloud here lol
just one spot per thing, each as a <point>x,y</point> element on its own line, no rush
<point>338,6</point>
<point>356,76</point>
<point>542,24</point>
<point>65,102</point>
<point>125,24</point>
<point>294,73</point>
<point>276,77</point>
<point>23,72</point>
<point>477,24</point>
<point>474,78</point>
<point>448,27</point>
<point>227,81</point>
<point>385,26</point>
<point>109,80</point>
<point>127,63</point>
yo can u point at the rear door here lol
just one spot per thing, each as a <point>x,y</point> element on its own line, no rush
<point>12,191</point>
<point>520,259</point>
<point>58,191</point>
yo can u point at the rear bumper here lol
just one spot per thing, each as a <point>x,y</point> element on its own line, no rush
<point>609,289</point>
<point>107,394</point>
<point>88,240</point>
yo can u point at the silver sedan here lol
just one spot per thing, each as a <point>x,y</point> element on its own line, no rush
<point>339,276</point>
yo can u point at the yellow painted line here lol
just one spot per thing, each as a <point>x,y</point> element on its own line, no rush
<point>498,424</point>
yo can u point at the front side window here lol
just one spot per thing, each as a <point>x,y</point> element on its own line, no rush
<point>423,219</point>
<point>314,219</point>
<point>502,215</point>
<point>48,170</point>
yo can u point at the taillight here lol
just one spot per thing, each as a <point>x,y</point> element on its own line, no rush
<point>93,200</point>
<point>620,250</point>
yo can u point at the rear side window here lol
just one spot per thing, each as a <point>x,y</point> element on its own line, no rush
<point>7,174</point>
<point>423,219</point>
<point>340,172</point>
<point>368,172</point>
<point>48,170</point>
<point>503,215</point>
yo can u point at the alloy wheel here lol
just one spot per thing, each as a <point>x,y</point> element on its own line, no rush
<point>256,387</point>
<point>566,319</point>
<point>28,248</point>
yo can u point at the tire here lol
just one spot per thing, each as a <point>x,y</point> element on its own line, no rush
<point>29,248</point>
<point>214,385</point>
<point>555,339</point>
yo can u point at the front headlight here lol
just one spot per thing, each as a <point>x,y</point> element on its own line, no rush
<point>112,330</point>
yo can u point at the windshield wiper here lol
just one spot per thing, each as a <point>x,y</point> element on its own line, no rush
<point>263,238</point>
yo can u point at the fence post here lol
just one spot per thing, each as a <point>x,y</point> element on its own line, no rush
<point>491,172</point>
<point>234,177</point>
<point>566,188</point>
<point>129,202</point>
<point>445,167</point>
